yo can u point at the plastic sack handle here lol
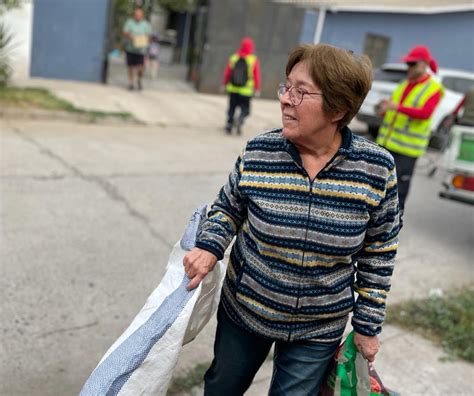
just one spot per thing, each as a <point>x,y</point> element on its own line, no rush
<point>348,367</point>
<point>346,371</point>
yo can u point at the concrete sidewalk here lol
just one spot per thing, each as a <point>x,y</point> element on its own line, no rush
<point>160,108</point>
<point>407,363</point>
<point>167,101</point>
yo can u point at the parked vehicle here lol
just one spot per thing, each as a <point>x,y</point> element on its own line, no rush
<point>458,161</point>
<point>386,79</point>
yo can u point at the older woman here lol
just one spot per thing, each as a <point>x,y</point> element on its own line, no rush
<point>315,211</point>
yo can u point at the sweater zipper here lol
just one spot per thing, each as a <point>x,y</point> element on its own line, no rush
<point>306,232</point>
<point>305,239</point>
<point>311,182</point>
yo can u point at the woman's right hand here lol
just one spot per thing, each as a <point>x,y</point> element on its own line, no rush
<point>197,264</point>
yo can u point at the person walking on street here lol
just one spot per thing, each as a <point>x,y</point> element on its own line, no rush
<point>406,126</point>
<point>136,32</point>
<point>315,211</point>
<point>242,82</point>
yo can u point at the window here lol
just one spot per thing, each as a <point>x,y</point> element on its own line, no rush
<point>376,48</point>
<point>458,84</point>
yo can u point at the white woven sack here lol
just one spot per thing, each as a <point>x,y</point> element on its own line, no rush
<point>142,360</point>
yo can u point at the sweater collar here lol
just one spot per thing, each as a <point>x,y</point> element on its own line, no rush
<point>344,150</point>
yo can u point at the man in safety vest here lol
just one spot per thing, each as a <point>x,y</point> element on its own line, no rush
<point>242,82</point>
<point>406,126</point>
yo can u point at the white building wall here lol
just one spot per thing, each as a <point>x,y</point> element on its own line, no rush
<point>19,22</point>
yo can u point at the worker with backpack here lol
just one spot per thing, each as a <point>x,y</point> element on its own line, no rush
<point>242,82</point>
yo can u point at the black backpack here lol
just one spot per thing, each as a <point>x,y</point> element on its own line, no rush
<point>240,73</point>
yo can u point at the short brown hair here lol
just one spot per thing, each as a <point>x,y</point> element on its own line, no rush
<point>344,78</point>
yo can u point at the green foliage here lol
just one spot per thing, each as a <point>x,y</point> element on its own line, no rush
<point>122,10</point>
<point>178,5</point>
<point>44,99</point>
<point>448,320</point>
<point>33,97</point>
<point>192,378</point>
<point>5,43</point>
<point>8,4</point>
<point>5,48</point>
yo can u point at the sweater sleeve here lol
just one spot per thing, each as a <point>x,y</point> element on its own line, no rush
<point>225,217</point>
<point>375,262</point>
<point>256,74</point>
<point>227,74</point>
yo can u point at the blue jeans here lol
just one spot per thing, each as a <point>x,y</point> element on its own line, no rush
<point>298,367</point>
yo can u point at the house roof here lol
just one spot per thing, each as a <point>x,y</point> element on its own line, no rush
<point>398,6</point>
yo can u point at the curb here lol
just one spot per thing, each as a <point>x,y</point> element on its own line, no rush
<point>29,113</point>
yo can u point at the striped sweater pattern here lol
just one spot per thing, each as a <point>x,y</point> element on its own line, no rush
<point>304,246</point>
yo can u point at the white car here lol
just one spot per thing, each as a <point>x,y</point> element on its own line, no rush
<point>387,78</point>
<point>459,165</point>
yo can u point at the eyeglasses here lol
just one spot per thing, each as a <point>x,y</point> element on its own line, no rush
<point>411,64</point>
<point>296,94</point>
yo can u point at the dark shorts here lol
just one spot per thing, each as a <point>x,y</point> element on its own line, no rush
<point>135,59</point>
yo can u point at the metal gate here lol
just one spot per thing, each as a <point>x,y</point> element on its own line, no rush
<point>70,39</point>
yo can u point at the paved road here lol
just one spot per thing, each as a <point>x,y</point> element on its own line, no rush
<point>88,216</point>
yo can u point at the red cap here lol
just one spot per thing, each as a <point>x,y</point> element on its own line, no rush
<point>421,53</point>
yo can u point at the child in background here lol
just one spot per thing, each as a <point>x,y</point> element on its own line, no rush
<point>153,56</point>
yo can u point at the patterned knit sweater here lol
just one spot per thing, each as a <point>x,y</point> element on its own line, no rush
<point>304,246</point>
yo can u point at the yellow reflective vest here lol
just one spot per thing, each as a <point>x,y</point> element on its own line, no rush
<point>248,89</point>
<point>405,135</point>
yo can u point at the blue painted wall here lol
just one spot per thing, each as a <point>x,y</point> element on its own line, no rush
<point>309,27</point>
<point>69,39</point>
<point>450,36</point>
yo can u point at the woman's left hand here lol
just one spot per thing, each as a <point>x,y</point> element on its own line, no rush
<point>368,346</point>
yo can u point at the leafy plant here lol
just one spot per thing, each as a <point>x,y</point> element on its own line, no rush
<point>41,98</point>
<point>448,320</point>
<point>8,4</point>
<point>178,5</point>
<point>123,9</point>
<point>5,49</point>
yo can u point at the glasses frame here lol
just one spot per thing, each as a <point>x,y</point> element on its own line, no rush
<point>411,64</point>
<point>282,89</point>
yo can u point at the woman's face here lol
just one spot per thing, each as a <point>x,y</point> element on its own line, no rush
<point>306,121</point>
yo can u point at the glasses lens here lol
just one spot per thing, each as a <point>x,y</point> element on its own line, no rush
<point>297,96</point>
<point>281,90</point>
<point>411,64</point>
